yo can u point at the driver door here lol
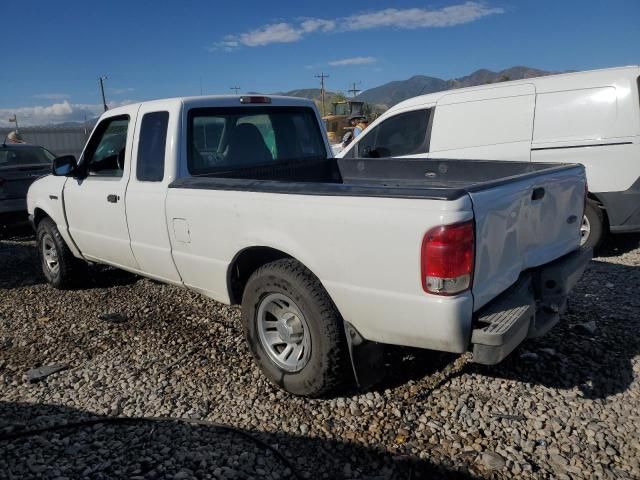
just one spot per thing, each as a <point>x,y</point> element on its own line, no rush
<point>94,199</point>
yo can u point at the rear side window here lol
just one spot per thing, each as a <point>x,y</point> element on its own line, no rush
<point>151,147</point>
<point>224,138</point>
<point>402,134</point>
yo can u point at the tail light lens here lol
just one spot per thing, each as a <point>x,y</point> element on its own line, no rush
<point>447,258</point>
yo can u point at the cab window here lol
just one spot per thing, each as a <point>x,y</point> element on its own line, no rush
<point>402,134</point>
<point>223,138</point>
<point>105,154</point>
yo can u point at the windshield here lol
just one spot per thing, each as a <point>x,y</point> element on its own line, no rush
<point>20,156</point>
<point>243,137</point>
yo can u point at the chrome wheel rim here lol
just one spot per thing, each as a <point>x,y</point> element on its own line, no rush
<point>50,254</point>
<point>585,230</point>
<point>283,332</point>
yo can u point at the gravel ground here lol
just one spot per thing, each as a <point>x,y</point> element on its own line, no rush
<point>564,406</point>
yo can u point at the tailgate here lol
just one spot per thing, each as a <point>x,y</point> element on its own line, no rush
<point>524,222</point>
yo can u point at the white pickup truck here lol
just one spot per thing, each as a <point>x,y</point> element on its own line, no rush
<point>239,198</point>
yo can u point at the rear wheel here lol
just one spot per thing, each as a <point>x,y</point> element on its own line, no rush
<point>293,330</point>
<point>593,228</point>
<point>60,267</point>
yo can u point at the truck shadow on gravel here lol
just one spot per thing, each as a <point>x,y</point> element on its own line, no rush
<point>593,345</point>
<point>109,447</point>
<point>404,366</point>
<point>21,265</point>
<point>619,244</point>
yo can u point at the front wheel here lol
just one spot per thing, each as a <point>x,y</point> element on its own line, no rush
<point>294,330</point>
<point>593,226</point>
<point>60,267</point>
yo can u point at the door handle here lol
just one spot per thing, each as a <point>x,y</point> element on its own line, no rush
<point>113,198</point>
<point>537,194</point>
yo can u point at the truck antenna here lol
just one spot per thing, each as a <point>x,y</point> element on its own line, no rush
<point>101,79</point>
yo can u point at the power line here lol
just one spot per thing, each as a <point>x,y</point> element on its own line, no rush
<point>322,76</point>
<point>235,89</point>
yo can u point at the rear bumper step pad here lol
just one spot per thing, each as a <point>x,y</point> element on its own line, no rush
<point>504,324</point>
<point>530,308</point>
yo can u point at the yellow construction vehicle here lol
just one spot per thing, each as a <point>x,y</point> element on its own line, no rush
<point>337,123</point>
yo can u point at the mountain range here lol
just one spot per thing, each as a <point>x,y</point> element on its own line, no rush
<point>389,94</point>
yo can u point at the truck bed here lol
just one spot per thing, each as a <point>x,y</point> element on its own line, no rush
<point>437,179</point>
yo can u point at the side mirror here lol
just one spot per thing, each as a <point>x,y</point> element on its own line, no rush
<point>64,166</point>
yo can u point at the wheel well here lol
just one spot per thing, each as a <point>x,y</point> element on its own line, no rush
<point>38,216</point>
<point>591,196</point>
<point>600,204</point>
<point>244,264</point>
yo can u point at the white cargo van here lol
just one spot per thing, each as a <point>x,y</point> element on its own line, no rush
<point>589,117</point>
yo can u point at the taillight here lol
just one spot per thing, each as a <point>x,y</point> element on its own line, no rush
<point>447,258</point>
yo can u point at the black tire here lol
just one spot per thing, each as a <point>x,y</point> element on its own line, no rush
<point>326,368</point>
<point>70,270</point>
<point>597,225</point>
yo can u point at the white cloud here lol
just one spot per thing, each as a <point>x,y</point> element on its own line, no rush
<point>353,61</point>
<point>265,35</point>
<point>274,33</point>
<point>412,18</point>
<point>315,24</point>
<point>52,96</point>
<point>54,113</point>
<point>408,18</point>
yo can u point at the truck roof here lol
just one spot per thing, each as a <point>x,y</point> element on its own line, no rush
<point>549,83</point>
<point>225,101</point>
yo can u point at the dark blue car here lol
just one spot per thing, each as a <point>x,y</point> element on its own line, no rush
<point>20,165</point>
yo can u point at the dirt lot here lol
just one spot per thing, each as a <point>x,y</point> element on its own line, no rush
<point>564,406</point>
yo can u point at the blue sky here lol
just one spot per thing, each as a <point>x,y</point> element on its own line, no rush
<point>54,51</point>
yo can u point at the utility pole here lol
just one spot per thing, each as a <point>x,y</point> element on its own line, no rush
<point>354,91</point>
<point>235,89</point>
<point>101,79</point>
<point>322,76</point>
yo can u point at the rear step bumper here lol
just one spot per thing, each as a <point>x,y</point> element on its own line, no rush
<point>530,308</point>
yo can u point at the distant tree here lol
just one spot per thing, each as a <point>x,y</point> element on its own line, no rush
<point>339,97</point>
<point>503,78</point>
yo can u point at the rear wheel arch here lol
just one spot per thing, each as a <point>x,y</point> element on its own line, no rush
<point>596,220</point>
<point>596,199</point>
<point>246,262</point>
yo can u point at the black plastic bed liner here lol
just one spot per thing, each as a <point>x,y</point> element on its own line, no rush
<point>437,179</point>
